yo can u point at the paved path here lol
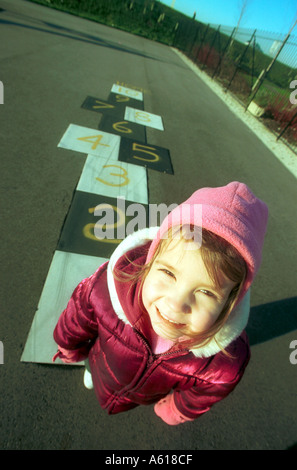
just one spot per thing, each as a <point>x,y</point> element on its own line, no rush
<point>49,63</point>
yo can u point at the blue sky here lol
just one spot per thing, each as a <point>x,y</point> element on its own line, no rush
<point>268,15</point>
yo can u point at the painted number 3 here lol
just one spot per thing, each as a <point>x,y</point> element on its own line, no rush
<point>123,175</point>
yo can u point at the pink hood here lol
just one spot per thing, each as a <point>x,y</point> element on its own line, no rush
<point>233,212</point>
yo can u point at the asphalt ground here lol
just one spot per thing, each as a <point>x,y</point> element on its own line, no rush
<point>49,63</point>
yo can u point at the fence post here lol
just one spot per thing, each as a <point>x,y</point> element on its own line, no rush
<point>224,53</point>
<point>286,126</point>
<point>217,31</point>
<point>240,60</point>
<point>264,75</point>
<point>253,63</point>
<point>176,28</point>
<point>194,41</point>
<point>204,36</point>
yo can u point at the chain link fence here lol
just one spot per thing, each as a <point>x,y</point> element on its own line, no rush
<point>242,60</point>
<point>258,67</point>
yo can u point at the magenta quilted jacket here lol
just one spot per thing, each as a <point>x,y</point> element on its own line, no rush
<point>104,322</point>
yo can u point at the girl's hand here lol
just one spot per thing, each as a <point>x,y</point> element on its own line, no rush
<point>65,355</point>
<point>167,411</point>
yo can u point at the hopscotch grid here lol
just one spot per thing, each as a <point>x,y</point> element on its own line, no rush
<point>68,256</point>
<point>136,177</point>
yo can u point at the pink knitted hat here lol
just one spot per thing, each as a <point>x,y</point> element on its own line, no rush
<point>233,212</point>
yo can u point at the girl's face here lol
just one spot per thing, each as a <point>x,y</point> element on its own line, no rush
<point>179,295</point>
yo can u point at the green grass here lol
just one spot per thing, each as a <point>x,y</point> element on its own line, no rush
<point>155,21</point>
<point>142,19</point>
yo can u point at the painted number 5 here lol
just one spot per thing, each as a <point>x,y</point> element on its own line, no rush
<point>146,150</point>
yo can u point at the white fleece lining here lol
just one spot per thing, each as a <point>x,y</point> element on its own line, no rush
<point>141,237</point>
<point>231,330</point>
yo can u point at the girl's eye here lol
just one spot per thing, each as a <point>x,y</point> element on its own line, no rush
<point>168,273</point>
<point>207,292</point>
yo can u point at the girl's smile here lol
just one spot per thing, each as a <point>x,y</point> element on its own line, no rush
<point>162,315</point>
<point>179,295</point>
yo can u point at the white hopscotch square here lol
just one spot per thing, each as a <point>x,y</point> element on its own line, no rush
<point>66,271</point>
<point>144,118</point>
<point>121,90</point>
<point>91,141</point>
<point>114,178</point>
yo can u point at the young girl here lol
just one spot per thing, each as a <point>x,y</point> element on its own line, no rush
<point>163,321</point>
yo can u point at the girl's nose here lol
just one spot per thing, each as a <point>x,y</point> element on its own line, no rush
<point>178,302</point>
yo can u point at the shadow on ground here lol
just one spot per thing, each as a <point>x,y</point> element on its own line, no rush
<point>268,321</point>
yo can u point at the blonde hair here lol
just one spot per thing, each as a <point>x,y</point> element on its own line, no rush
<point>218,256</point>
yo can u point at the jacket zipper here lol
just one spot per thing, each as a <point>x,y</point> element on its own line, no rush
<point>152,357</point>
